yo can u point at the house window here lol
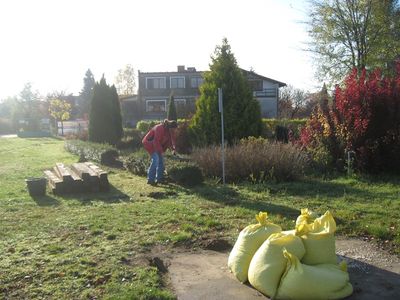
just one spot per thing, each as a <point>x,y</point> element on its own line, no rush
<point>180,103</point>
<point>195,82</point>
<point>256,85</point>
<point>156,105</point>
<point>177,82</point>
<point>155,83</point>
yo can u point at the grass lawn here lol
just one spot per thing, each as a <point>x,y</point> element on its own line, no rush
<point>96,245</point>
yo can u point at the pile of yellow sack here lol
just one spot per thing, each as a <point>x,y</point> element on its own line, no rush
<point>294,264</point>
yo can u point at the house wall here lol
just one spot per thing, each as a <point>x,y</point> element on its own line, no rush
<point>149,96</point>
<point>131,111</point>
<point>269,85</point>
<point>266,93</point>
<point>269,105</point>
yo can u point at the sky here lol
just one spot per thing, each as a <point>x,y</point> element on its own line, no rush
<point>51,43</point>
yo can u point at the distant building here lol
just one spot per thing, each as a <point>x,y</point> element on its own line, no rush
<point>155,89</point>
<point>266,91</point>
<point>131,110</point>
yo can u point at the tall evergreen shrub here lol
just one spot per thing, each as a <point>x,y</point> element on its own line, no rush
<point>117,115</point>
<point>105,121</point>
<point>242,116</point>
<point>171,114</point>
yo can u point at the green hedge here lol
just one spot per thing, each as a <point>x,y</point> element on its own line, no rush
<point>137,162</point>
<point>145,125</point>
<point>293,125</point>
<point>132,139</point>
<point>101,153</point>
<point>179,170</point>
<point>183,172</point>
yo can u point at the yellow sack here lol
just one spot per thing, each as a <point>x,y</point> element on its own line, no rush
<point>268,263</point>
<point>306,217</point>
<point>249,240</point>
<point>289,232</point>
<point>313,282</point>
<point>319,240</point>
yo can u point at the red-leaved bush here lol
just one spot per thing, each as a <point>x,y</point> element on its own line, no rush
<point>364,117</point>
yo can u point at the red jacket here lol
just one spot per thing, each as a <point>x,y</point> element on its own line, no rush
<point>159,139</point>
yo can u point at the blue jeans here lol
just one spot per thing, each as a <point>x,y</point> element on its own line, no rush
<point>156,169</point>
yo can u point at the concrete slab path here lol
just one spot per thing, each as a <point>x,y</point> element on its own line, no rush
<point>374,273</point>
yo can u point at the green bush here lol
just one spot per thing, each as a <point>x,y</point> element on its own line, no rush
<point>131,133</point>
<point>183,144</point>
<point>282,134</point>
<point>105,124</point>
<point>101,153</point>
<point>242,115</point>
<point>145,125</point>
<point>292,125</point>
<point>132,139</point>
<point>137,163</point>
<point>185,173</point>
<point>255,159</point>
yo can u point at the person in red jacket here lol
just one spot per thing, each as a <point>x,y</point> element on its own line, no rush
<point>156,142</point>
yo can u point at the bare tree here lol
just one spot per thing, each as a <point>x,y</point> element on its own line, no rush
<point>125,82</point>
<point>292,101</point>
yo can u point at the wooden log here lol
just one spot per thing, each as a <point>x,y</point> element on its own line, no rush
<point>104,185</point>
<point>83,171</point>
<point>77,185</point>
<point>100,173</point>
<point>90,178</point>
<point>63,173</point>
<point>55,183</point>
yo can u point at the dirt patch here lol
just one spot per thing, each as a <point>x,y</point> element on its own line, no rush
<point>215,245</point>
<point>374,273</point>
<point>159,264</point>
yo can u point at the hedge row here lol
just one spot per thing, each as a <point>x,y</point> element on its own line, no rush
<point>137,162</point>
<point>101,153</point>
<point>180,171</point>
<point>273,126</point>
<point>270,126</point>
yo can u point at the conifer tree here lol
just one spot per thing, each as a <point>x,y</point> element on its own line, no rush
<point>86,94</point>
<point>242,116</point>
<point>171,114</point>
<point>117,116</point>
<point>105,125</point>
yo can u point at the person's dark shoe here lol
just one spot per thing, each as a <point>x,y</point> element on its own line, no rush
<point>152,183</point>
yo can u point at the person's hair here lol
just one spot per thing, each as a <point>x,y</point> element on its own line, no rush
<point>170,123</point>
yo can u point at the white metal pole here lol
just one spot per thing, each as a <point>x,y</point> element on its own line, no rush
<point>221,110</point>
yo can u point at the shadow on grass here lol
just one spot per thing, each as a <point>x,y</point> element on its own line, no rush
<point>227,195</point>
<point>113,195</point>
<point>312,188</point>
<point>46,200</point>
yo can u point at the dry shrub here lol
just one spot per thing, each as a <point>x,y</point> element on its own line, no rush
<point>253,158</point>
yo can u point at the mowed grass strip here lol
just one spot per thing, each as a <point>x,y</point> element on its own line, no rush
<point>97,245</point>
